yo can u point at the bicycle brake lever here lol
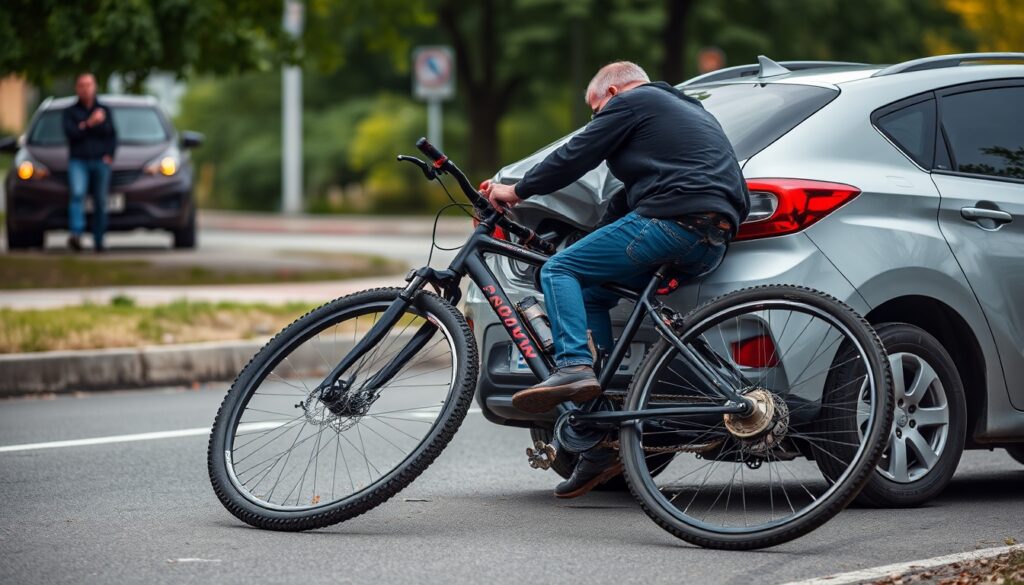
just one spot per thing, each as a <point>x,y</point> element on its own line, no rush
<point>428,171</point>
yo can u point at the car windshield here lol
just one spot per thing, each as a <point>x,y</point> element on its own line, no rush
<point>135,125</point>
<point>755,115</point>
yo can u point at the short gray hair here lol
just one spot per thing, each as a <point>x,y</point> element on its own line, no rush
<point>618,74</point>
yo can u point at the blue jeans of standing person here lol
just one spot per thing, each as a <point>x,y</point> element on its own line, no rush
<point>88,176</point>
<point>627,251</point>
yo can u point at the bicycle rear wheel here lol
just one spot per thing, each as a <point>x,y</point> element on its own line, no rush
<point>823,388</point>
<point>284,455</point>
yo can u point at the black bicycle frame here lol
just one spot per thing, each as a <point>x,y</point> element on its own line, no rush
<point>470,262</point>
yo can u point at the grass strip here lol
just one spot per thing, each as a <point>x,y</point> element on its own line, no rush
<point>42,271</point>
<point>122,324</point>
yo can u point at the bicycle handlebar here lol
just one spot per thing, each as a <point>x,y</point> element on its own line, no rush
<point>442,163</point>
<point>432,152</point>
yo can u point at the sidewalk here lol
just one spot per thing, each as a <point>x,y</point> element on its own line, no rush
<point>312,292</point>
<point>405,225</point>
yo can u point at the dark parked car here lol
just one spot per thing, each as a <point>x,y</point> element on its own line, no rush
<point>151,178</point>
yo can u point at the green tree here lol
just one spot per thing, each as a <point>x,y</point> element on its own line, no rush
<point>47,39</point>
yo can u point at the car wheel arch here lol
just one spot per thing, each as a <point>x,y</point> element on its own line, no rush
<point>956,336</point>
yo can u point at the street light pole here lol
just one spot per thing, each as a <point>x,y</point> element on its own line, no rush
<point>291,117</point>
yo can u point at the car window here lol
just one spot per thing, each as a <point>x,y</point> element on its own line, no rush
<point>912,129</point>
<point>48,129</point>
<point>134,125</point>
<point>755,115</point>
<point>138,126</point>
<point>985,129</point>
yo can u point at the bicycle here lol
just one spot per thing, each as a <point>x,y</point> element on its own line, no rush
<point>725,438</point>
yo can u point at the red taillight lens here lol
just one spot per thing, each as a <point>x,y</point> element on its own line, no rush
<point>756,352</point>
<point>798,203</point>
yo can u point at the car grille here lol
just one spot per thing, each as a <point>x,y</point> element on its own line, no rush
<point>117,178</point>
<point>121,178</point>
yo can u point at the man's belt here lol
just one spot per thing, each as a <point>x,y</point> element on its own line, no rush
<point>702,221</point>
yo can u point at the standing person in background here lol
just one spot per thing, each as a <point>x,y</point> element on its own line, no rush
<point>91,143</point>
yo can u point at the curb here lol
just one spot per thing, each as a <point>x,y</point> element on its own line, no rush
<point>123,368</point>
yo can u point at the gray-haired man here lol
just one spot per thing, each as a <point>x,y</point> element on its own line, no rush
<point>683,199</point>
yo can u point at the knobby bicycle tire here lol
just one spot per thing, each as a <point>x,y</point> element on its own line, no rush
<point>444,428</point>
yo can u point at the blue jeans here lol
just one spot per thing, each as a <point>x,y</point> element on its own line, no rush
<point>88,175</point>
<point>627,251</point>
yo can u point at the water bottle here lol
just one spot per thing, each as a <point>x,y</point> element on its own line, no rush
<point>537,322</point>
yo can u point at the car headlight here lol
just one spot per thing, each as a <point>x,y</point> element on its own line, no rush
<point>28,169</point>
<point>167,164</point>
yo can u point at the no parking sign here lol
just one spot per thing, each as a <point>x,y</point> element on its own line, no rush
<point>433,73</point>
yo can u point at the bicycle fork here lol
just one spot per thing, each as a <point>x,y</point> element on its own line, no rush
<point>333,387</point>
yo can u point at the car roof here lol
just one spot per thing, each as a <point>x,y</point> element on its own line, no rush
<point>956,68</point>
<point>59,103</point>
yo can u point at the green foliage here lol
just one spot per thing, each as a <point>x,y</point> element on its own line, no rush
<point>522,67</point>
<point>44,39</point>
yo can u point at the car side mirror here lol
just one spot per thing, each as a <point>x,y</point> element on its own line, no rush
<point>190,139</point>
<point>9,144</point>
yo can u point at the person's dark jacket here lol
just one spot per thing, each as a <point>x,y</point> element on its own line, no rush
<point>668,151</point>
<point>89,142</point>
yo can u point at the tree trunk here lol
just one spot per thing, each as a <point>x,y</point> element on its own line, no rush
<point>673,40</point>
<point>484,153</point>
<point>487,95</point>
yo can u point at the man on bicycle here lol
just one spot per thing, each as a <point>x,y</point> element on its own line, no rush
<point>683,200</point>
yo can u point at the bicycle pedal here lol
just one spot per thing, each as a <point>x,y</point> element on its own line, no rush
<point>541,455</point>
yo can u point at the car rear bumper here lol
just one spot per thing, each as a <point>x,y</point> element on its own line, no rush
<point>783,260</point>
<point>150,202</point>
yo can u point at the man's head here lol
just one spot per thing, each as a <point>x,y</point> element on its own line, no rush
<point>85,87</point>
<point>613,79</point>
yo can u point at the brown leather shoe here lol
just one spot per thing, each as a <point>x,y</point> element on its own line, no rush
<point>575,383</point>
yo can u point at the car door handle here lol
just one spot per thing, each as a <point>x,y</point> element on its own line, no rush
<point>976,213</point>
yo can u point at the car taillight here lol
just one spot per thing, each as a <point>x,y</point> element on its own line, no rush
<point>784,206</point>
<point>756,352</point>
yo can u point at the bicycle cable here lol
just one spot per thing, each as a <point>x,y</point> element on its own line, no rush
<point>437,217</point>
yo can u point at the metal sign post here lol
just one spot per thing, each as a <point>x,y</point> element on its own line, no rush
<point>433,80</point>
<point>291,117</point>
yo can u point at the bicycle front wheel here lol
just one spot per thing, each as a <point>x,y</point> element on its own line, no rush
<point>819,378</point>
<point>285,455</point>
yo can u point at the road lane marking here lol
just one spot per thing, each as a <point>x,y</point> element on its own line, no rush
<point>247,427</point>
<point>106,440</point>
<point>875,573</point>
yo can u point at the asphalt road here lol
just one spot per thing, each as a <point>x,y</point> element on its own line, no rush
<point>144,512</point>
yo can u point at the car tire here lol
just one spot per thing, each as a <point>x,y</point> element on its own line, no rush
<point>185,238</point>
<point>1017,452</point>
<point>19,240</point>
<point>920,459</point>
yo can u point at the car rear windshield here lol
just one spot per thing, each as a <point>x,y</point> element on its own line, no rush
<point>134,125</point>
<point>755,115</point>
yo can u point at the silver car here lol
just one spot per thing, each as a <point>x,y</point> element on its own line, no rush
<point>897,189</point>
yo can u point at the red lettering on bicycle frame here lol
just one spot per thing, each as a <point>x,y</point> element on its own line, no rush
<point>510,322</point>
<point>527,349</point>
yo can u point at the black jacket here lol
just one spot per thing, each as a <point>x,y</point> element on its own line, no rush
<point>669,152</point>
<point>95,142</point>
